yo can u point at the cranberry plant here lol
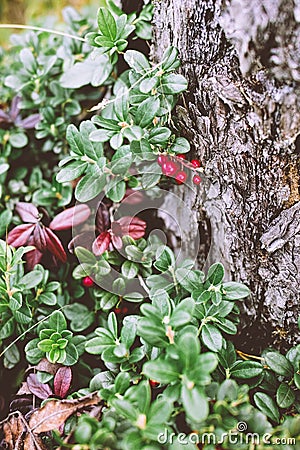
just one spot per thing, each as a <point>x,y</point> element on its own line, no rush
<point>118,340</point>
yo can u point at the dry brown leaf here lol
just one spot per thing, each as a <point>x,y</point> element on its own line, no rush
<point>55,412</point>
<point>24,390</point>
<point>17,435</point>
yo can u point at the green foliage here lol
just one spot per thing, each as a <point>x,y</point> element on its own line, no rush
<point>156,332</point>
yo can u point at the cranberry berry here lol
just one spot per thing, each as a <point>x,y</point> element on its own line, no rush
<point>196,179</point>
<point>181,177</point>
<point>196,163</point>
<point>87,282</point>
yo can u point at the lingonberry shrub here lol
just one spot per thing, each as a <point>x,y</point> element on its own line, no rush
<point>94,308</point>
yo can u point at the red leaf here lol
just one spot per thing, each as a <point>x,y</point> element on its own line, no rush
<point>19,235</point>
<point>71,217</point>
<point>37,388</point>
<point>102,218</point>
<point>101,243</point>
<point>39,237</point>
<point>62,381</point>
<point>117,241</point>
<point>28,212</point>
<point>33,258</point>
<point>133,227</point>
<point>55,246</point>
<point>133,197</point>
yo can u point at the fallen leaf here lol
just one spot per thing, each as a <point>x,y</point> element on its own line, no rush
<point>55,412</point>
<point>40,390</point>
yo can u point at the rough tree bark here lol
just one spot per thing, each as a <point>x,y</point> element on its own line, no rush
<point>242,115</point>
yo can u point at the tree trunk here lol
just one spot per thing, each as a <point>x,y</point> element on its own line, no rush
<point>242,116</point>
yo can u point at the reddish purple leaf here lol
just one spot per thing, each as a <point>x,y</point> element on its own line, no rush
<point>28,212</point>
<point>33,258</point>
<point>101,243</point>
<point>55,246</point>
<point>14,108</point>
<point>117,241</point>
<point>40,237</point>
<point>133,197</point>
<point>29,122</point>
<point>62,381</point>
<point>102,218</point>
<point>71,217</point>
<point>19,235</point>
<point>37,388</point>
<point>133,227</point>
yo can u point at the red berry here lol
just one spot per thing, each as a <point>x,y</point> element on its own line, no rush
<point>181,177</point>
<point>87,282</point>
<point>181,156</point>
<point>196,163</point>
<point>162,159</point>
<point>154,383</point>
<point>117,310</point>
<point>196,179</point>
<point>169,168</point>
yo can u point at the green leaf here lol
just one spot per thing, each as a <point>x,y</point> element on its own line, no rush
<point>134,297</point>
<point>246,369</point>
<point>108,301</point>
<point>172,84</point>
<point>117,191</point>
<point>11,356</point>
<point>122,382</point>
<point>31,279</point>
<point>189,349</point>
<point>162,371</point>
<point>71,357</point>
<point>215,274</point>
<point>195,403</point>
<point>71,171</point>
<point>107,24</point>
<point>23,315</point>
<point>125,408</point>
<point>97,345</point>
<point>137,61</point>
<point>183,313</point>
<point>18,140</point>
<point>146,111</point>
<point>7,328</point>
<point>279,364</point>
<point>170,60</point>
<point>235,291</point>
<point>57,321</point>
<point>285,396</point>
<point>267,405</point>
<point>89,187</point>
<point>149,180</point>
<point>165,259</point>
<point>181,145</point>
<point>212,337</point>
<point>33,354</point>
<point>130,269</point>
<point>148,84</point>
<point>48,298</point>
<point>85,256</point>
<point>5,219</point>
<point>79,315</point>
<point>159,135</point>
